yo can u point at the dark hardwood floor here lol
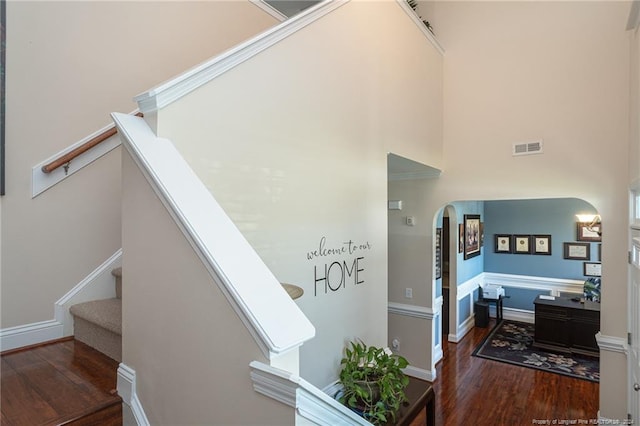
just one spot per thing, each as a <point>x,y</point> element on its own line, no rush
<point>61,383</point>
<point>471,390</point>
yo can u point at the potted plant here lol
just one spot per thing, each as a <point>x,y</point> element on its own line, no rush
<point>373,381</point>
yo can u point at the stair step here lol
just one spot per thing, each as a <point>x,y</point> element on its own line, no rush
<point>106,313</point>
<point>98,323</point>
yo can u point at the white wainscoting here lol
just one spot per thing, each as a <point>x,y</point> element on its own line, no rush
<point>551,286</point>
<point>463,325</point>
<point>428,314</point>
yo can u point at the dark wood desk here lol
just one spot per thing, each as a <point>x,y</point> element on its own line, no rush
<point>567,326</point>
<point>420,395</point>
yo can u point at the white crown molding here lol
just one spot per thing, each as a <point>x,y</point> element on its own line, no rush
<point>414,17</point>
<point>275,13</point>
<point>310,402</point>
<point>229,258</point>
<point>414,311</point>
<point>127,390</point>
<point>172,90</point>
<point>612,343</point>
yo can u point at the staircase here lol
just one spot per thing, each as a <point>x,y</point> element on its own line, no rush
<point>98,323</point>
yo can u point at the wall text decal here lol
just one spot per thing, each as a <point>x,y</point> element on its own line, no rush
<point>335,275</point>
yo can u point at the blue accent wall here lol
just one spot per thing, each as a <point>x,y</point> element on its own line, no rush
<point>522,298</point>
<point>555,217</point>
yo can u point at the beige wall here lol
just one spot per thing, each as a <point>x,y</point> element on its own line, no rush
<point>634,122</point>
<point>293,145</point>
<point>69,64</point>
<point>557,71</point>
<point>190,351</point>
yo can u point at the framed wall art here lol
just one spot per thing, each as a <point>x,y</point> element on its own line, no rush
<point>460,237</point>
<point>592,269</point>
<point>522,244</point>
<point>577,251</point>
<point>541,244</point>
<point>589,231</point>
<point>502,243</point>
<point>471,235</point>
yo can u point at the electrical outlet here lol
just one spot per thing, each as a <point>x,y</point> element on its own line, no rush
<point>408,293</point>
<point>395,344</point>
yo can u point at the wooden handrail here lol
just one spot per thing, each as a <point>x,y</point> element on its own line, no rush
<point>65,159</point>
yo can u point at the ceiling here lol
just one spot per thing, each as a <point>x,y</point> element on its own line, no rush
<point>291,7</point>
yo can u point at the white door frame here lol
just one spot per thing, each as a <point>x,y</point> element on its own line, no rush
<point>633,297</point>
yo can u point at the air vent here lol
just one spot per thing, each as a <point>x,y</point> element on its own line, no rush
<point>527,148</point>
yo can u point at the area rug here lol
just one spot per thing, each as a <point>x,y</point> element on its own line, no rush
<point>511,342</point>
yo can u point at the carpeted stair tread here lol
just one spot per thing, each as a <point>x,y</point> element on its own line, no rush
<point>106,313</point>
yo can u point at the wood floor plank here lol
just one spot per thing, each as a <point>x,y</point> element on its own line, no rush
<point>472,390</point>
<point>58,383</point>
<point>21,403</point>
<point>82,365</point>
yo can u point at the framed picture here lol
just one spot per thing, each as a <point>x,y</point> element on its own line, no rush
<point>502,243</point>
<point>460,237</point>
<point>589,232</point>
<point>592,269</point>
<point>577,251</point>
<point>481,234</point>
<point>542,244</point>
<point>438,253</point>
<point>522,244</point>
<point>471,235</point>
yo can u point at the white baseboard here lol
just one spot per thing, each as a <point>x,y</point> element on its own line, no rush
<point>463,329</point>
<point>127,391</point>
<point>99,284</point>
<point>420,373</point>
<point>29,334</point>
